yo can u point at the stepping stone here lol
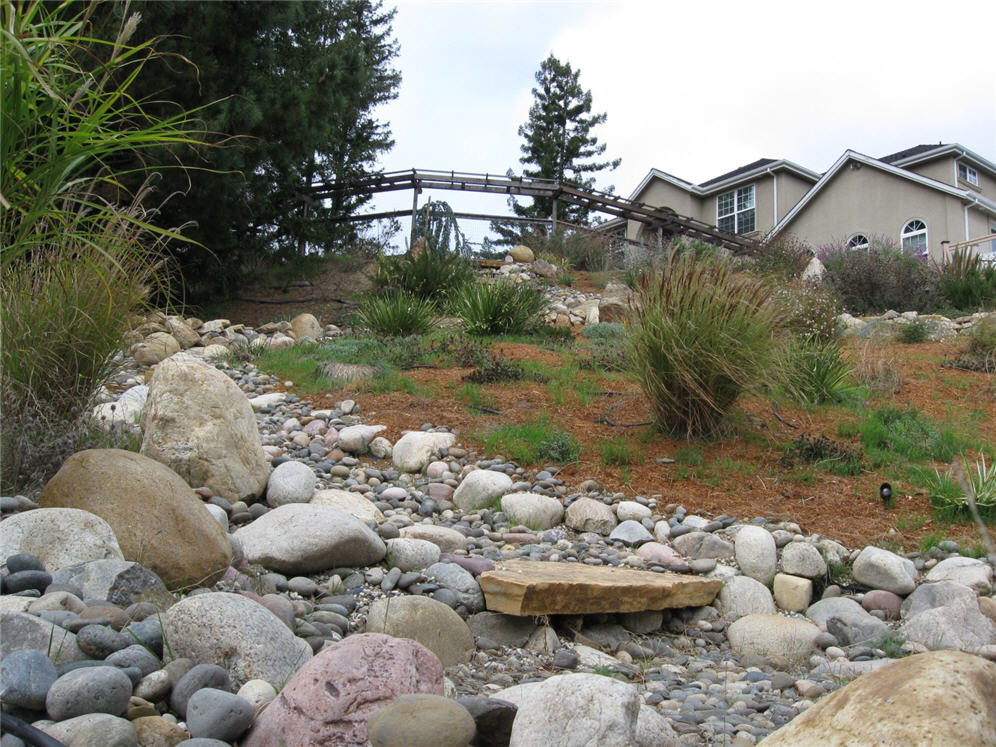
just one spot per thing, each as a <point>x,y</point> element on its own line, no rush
<point>520,587</point>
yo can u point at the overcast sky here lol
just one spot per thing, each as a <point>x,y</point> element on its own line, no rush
<point>693,88</point>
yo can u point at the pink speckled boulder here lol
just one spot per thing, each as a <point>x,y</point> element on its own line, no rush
<point>329,700</point>
<point>879,599</point>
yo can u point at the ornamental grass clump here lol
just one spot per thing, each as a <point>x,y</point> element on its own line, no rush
<point>397,314</point>
<point>499,308</point>
<point>702,335</point>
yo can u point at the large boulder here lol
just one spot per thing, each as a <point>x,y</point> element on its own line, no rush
<point>573,710</point>
<point>155,348</point>
<point>331,698</point>
<point>589,515</point>
<point>521,253</point>
<point>431,623</point>
<point>306,325</point>
<point>302,538</point>
<point>236,633</point>
<point>350,502</point>
<point>158,520</point>
<point>199,423</point>
<point>743,595</point>
<point>414,450</point>
<point>971,572</point>
<point>58,537</point>
<point>480,488</point>
<point>770,634</point>
<point>534,510</point>
<point>881,569</point>
<point>944,697</point>
<point>291,482</point>
<point>614,305</point>
<point>958,625</point>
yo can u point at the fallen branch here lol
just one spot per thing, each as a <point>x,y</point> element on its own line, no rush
<point>305,299</point>
<point>783,421</point>
<point>482,408</point>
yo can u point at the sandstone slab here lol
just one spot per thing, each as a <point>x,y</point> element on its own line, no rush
<point>538,588</point>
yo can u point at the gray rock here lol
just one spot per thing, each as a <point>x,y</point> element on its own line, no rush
<point>643,622</point>
<point>803,559</point>
<point>756,554</point>
<point>352,503</point>
<point>410,554</point>
<point>20,631</point>
<point>58,537</point>
<point>506,630</point>
<point>217,714</point>
<point>696,545</point>
<point>771,634</point>
<point>431,623</point>
<point>881,569</point>
<point>301,538</point>
<point>355,439</point>
<point>121,582</point>
<point>100,641</point>
<point>94,730</point>
<point>533,510</point>
<point>958,626</point>
<point>742,595</point>
<point>972,572</point>
<point>290,482</point>
<point>493,718</point>
<point>236,633</point>
<point>414,450</point>
<point>88,690</point>
<point>853,623</point>
<point>135,656</point>
<point>25,678</point>
<point>199,676</point>
<point>631,532</point>
<point>929,596</point>
<point>589,515</point>
<point>481,488</point>
<point>460,581</point>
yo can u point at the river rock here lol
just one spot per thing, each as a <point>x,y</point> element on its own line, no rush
<point>421,720</point>
<point>120,582</point>
<point>20,631</point>
<point>94,730</point>
<point>290,482</point>
<point>104,689</point>
<point>772,634</point>
<point>302,538</point>
<point>431,623</point>
<point>236,633</point>
<point>158,520</point>
<point>481,488</point>
<point>414,450</point>
<point>803,559</point>
<point>532,509</point>
<point>971,572</point>
<point>199,423</point>
<point>881,569</point>
<point>742,595</point>
<point>350,502</point>
<point>755,552</point>
<point>58,537</point>
<point>589,515</point>
<point>330,700</point>
<point>847,620</point>
<point>306,325</point>
<point>410,554</point>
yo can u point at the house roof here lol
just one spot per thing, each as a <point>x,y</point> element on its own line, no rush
<point>967,195</point>
<point>729,179</point>
<point>921,153</point>
<point>916,150</point>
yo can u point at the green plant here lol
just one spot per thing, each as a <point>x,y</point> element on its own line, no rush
<point>913,332</point>
<point>603,331</point>
<point>430,274</point>
<point>968,284</point>
<point>982,336</point>
<point>888,433</point>
<point>838,571</point>
<point>565,278</point>
<point>80,256</point>
<point>499,308</point>
<point>891,644</point>
<point>834,457</point>
<point>814,373</point>
<point>618,453</point>
<point>533,442</point>
<point>949,493</point>
<point>810,309</point>
<point>397,314</point>
<point>877,371</point>
<point>702,336</point>
<point>783,258</point>
<point>911,523</point>
<point>693,456</point>
<point>930,541</point>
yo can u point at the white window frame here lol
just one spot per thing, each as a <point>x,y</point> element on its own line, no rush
<point>911,234</point>
<point>853,243</point>
<point>970,175</point>
<point>742,204</point>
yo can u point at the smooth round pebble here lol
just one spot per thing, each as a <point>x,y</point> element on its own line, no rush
<point>26,677</point>
<point>218,714</point>
<point>99,689</point>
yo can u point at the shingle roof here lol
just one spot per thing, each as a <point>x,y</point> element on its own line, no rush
<point>914,151</point>
<point>736,172</point>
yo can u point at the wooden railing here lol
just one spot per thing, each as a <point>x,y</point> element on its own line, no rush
<point>981,246</point>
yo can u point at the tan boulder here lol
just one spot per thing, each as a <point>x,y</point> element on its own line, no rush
<point>522,587</point>
<point>941,697</point>
<point>199,423</point>
<point>306,325</point>
<point>158,520</point>
<point>182,332</point>
<point>155,348</point>
<point>522,253</point>
<point>614,305</point>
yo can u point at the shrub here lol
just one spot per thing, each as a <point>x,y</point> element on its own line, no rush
<point>912,332</point>
<point>880,278</point>
<point>889,432</point>
<point>783,258</point>
<point>814,372</point>
<point>79,254</point>
<point>810,309</point>
<point>398,314</point>
<point>982,336</point>
<point>579,250</point>
<point>499,308</point>
<point>431,274</point>
<point>967,283</point>
<point>702,335</point>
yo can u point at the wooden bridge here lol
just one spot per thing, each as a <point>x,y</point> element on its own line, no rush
<point>660,220</point>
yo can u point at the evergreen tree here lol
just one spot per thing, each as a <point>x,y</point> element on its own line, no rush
<point>298,82</point>
<point>558,142</point>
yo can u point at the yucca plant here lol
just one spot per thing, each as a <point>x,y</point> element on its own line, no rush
<point>79,253</point>
<point>499,308</point>
<point>702,335</point>
<point>814,373</point>
<point>398,314</point>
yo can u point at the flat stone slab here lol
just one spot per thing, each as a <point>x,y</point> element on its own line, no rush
<point>522,587</point>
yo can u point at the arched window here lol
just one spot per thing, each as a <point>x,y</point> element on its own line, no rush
<point>914,236</point>
<point>857,241</point>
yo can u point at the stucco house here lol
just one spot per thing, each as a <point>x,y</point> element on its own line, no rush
<point>928,198</point>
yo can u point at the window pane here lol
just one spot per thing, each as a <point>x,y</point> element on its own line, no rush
<point>745,197</point>
<point>746,221</point>
<point>724,204</point>
<point>727,224</point>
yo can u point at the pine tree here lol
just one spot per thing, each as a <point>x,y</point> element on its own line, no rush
<point>297,83</point>
<point>558,141</point>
